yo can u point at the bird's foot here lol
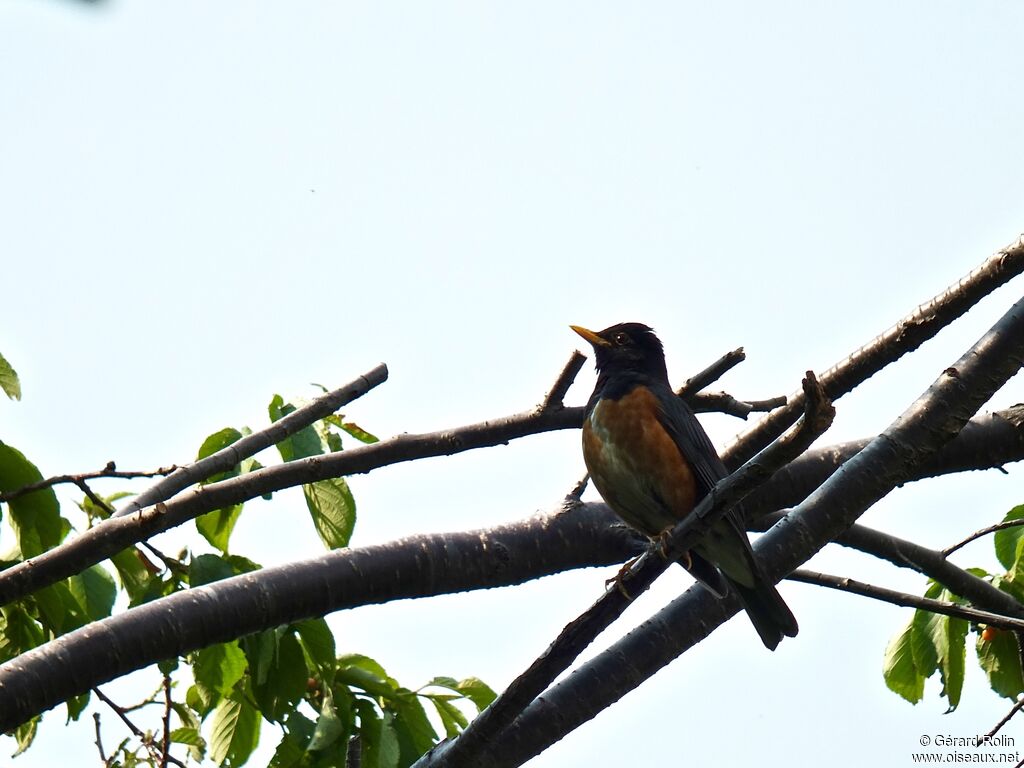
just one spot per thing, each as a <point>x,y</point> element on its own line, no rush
<point>617,578</point>
<point>662,541</point>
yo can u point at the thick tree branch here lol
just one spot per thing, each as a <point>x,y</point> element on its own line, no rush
<point>888,460</point>
<point>907,335</point>
<point>113,535</point>
<point>986,442</point>
<point>464,750</point>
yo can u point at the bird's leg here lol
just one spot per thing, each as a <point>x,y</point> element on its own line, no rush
<point>617,578</point>
<point>662,539</point>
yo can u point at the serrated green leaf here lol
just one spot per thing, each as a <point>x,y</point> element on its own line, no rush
<point>219,667</point>
<point>216,526</point>
<point>235,731</point>
<point>333,510</point>
<point>190,737</point>
<point>950,635</point>
<point>380,747</point>
<point>304,443</point>
<point>9,382</point>
<point>477,691</point>
<point>415,733</point>
<point>206,569</point>
<point>133,574</point>
<point>35,517</point>
<point>318,642</point>
<point>900,673</point>
<point>95,591</point>
<point>285,680</point>
<point>359,433</point>
<point>19,632</point>
<point>1000,658</point>
<point>452,718</point>
<point>76,706</point>
<point>329,726</point>
<point>1007,542</point>
<point>218,441</point>
<point>25,734</point>
<point>201,699</point>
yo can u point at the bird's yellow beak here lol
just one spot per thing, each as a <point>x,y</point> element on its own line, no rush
<point>590,336</point>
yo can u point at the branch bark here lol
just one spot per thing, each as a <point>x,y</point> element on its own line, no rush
<point>888,460</point>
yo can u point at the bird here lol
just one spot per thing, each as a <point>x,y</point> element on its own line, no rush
<point>652,463</point>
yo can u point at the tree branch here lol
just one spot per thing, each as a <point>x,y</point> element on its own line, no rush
<point>465,749</point>
<point>888,460</point>
<point>108,472</point>
<point>907,335</point>
<point>907,600</point>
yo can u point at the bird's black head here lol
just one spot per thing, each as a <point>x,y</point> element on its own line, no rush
<point>627,348</point>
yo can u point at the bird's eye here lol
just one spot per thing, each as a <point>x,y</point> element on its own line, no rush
<point>622,339</point>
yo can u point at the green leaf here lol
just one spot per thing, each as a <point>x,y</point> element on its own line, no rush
<point>218,441</point>
<point>364,673</point>
<point>1007,542</point>
<point>95,591</point>
<point>333,509</point>
<point>190,736</point>
<point>416,734</point>
<point>318,642</point>
<point>9,380</point>
<point>201,699</point>
<point>329,727</point>
<point>206,569</point>
<point>216,526</point>
<point>282,681</point>
<point>135,577</point>
<point>235,731</point>
<point>25,734</point>
<point>35,517</point>
<point>304,443</point>
<point>219,667</point>
<point>477,691</point>
<point>359,433</point>
<point>951,645</point>
<point>1000,658</point>
<point>900,673</point>
<point>452,718</point>
<point>19,632</point>
<point>379,739</point>
<point>76,705</point>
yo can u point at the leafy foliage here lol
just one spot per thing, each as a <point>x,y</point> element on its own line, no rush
<point>932,643</point>
<point>290,677</point>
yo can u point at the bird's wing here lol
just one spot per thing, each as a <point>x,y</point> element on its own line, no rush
<point>691,439</point>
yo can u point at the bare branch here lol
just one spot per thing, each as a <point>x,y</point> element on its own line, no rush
<point>907,335</point>
<point>981,533</point>
<point>711,374</point>
<point>565,379</point>
<point>1009,716</point>
<point>907,600</point>
<point>250,445</point>
<point>722,402</point>
<point>108,472</point>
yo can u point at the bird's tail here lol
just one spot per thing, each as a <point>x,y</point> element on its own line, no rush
<point>768,612</point>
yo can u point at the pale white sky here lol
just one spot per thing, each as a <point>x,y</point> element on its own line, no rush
<point>204,204</point>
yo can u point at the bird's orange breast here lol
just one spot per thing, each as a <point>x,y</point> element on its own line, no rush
<point>635,464</point>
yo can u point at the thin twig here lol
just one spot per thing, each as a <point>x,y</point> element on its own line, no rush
<point>722,402</point>
<point>147,741</point>
<point>228,457</point>
<point>108,472</point>
<point>99,738</point>
<point>712,373</point>
<point>983,532</point>
<point>1009,716</point>
<point>906,600</point>
<point>166,742</point>
<point>555,397</point>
